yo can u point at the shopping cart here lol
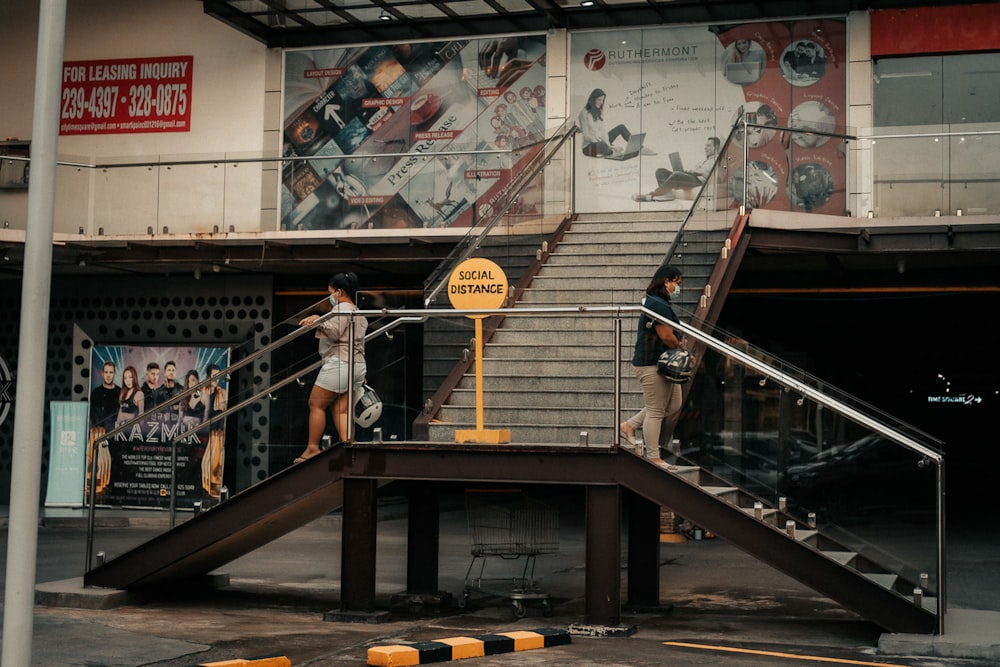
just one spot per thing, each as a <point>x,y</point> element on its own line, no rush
<point>509,526</point>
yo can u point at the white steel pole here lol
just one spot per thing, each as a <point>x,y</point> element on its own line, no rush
<point>29,407</point>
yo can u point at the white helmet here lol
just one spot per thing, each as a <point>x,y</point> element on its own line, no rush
<point>367,408</point>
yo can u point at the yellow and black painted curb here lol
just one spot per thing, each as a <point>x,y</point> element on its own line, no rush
<point>266,661</point>
<point>458,648</point>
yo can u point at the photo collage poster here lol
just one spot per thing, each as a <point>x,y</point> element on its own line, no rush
<point>135,467</point>
<point>409,135</point>
<point>670,91</point>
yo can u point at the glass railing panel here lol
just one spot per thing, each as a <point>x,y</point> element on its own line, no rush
<point>721,195</point>
<point>805,379</point>
<point>860,476</point>
<point>126,200</point>
<point>512,227</point>
<point>191,197</point>
<point>73,183</point>
<point>516,212</point>
<point>975,169</point>
<point>783,436</point>
<point>856,486</point>
<point>910,168</point>
<point>219,435</point>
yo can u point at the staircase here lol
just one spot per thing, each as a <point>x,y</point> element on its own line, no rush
<point>548,379</point>
<point>855,574</point>
<point>603,260</point>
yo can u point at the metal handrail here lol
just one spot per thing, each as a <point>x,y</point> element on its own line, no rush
<point>230,409</point>
<point>161,162</point>
<point>763,364</point>
<point>701,190</point>
<point>476,234</point>
<point>929,135</point>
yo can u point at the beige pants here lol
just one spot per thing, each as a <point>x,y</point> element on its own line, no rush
<point>661,398</point>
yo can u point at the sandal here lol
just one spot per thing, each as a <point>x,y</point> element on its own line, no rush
<point>628,436</point>
<point>642,197</point>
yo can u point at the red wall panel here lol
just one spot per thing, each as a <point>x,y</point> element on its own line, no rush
<point>925,30</point>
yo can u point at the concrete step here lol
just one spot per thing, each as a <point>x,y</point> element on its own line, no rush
<point>654,238</point>
<point>594,284</point>
<point>563,324</point>
<point>533,396</point>
<point>597,436</point>
<point>537,415</point>
<point>565,367</point>
<point>631,270</point>
<point>553,297</point>
<point>613,246</point>
<point>529,351</point>
<point>497,382</point>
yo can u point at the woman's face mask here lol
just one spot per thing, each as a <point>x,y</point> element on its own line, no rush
<point>333,298</point>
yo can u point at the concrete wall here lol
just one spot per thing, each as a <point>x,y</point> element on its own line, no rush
<point>227,118</point>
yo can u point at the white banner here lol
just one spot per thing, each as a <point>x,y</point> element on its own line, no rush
<point>67,453</point>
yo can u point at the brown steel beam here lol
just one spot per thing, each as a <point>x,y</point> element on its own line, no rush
<point>358,542</point>
<point>643,552</point>
<point>423,536</point>
<point>602,604</point>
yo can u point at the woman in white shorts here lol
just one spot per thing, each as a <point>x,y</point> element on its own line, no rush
<point>330,388</point>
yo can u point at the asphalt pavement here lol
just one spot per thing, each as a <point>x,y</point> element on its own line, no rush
<point>720,606</point>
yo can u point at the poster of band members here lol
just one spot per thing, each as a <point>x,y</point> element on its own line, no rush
<point>129,383</point>
<point>407,135</point>
<point>655,104</point>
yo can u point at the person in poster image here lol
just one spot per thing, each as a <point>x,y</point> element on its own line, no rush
<point>744,51</point>
<point>149,387</point>
<point>170,387</point>
<point>668,181</point>
<point>804,63</point>
<point>330,388</point>
<point>596,140</point>
<point>193,407</point>
<point>212,461</point>
<point>130,400</point>
<point>104,400</point>
<point>661,398</point>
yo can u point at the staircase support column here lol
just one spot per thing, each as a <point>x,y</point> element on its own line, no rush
<point>357,554</point>
<point>643,552</point>
<point>423,535</point>
<point>603,548</point>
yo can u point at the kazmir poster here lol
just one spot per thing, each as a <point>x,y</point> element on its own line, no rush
<point>675,91</point>
<point>408,135</point>
<point>134,468</point>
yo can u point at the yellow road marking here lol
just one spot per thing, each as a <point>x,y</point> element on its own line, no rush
<point>775,654</point>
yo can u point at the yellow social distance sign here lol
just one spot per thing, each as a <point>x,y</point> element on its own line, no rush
<point>478,283</point>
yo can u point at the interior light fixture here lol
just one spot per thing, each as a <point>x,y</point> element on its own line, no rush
<point>384,16</point>
<point>588,3</point>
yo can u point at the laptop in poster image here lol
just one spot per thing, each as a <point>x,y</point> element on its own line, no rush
<point>743,72</point>
<point>632,148</point>
<point>676,164</point>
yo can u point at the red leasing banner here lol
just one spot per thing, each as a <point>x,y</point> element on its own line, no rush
<point>126,96</point>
